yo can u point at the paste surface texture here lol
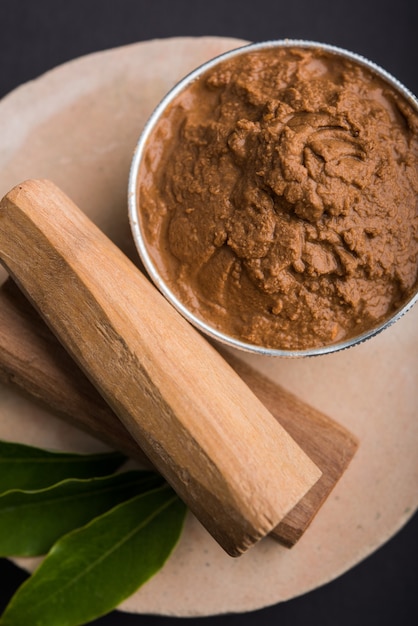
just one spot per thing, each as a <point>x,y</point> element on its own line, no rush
<point>278,196</point>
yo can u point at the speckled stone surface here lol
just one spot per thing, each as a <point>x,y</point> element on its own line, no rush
<point>78,125</point>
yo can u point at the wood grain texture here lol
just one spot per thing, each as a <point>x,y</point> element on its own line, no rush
<point>175,394</point>
<point>328,444</point>
<point>32,359</point>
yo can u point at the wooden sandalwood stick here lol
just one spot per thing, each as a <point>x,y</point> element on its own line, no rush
<point>32,359</point>
<point>328,444</point>
<point>236,468</point>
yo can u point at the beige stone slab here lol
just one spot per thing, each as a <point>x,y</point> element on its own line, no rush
<point>78,125</point>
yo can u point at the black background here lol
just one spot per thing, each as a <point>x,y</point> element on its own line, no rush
<point>36,35</point>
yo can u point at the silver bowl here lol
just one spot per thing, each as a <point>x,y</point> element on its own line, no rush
<point>134,212</point>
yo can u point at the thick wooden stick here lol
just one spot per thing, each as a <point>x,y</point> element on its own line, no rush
<point>236,468</point>
<point>32,359</point>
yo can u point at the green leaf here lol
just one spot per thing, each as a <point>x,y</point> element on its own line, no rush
<point>32,521</point>
<point>25,467</point>
<point>91,570</point>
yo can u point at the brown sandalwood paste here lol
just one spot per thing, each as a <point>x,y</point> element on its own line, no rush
<point>279,198</point>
